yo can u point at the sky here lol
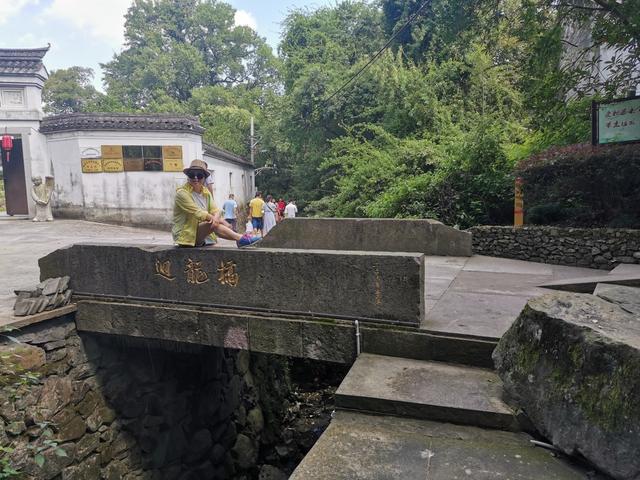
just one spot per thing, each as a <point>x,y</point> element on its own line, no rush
<point>89,32</point>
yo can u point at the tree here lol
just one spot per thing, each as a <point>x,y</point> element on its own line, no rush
<point>174,47</point>
<point>69,90</point>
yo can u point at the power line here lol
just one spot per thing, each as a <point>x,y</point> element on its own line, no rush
<point>375,57</point>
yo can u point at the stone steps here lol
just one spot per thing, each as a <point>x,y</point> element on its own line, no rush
<point>426,390</point>
<point>372,447</point>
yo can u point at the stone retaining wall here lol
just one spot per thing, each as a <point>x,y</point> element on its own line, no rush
<point>117,411</point>
<point>602,248</point>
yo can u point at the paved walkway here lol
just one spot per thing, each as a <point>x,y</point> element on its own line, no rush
<point>481,296</point>
<point>478,296</point>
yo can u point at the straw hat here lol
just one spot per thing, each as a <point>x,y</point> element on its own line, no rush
<point>197,165</point>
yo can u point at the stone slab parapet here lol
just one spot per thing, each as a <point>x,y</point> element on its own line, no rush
<point>602,248</point>
<point>371,234</point>
<point>386,287</point>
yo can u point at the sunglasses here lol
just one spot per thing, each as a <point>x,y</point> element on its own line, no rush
<point>192,175</point>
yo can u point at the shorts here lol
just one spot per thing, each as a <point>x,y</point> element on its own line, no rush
<point>257,223</point>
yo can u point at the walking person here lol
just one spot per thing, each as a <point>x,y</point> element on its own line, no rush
<point>270,209</point>
<point>290,210</point>
<point>196,219</point>
<point>281,207</point>
<point>230,209</point>
<point>256,213</point>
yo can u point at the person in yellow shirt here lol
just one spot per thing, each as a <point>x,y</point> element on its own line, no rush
<point>256,212</point>
<point>196,219</point>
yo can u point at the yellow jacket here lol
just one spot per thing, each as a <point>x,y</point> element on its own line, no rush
<point>187,215</point>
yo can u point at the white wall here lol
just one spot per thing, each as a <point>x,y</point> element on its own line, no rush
<point>240,183</point>
<point>127,197</point>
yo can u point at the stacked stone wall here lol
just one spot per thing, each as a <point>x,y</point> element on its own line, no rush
<point>78,407</point>
<point>602,248</point>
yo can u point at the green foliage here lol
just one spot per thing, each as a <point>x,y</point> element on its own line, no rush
<point>6,470</point>
<point>432,128</point>
<point>227,127</point>
<point>44,444</point>
<point>69,90</point>
<point>583,186</point>
<point>175,47</point>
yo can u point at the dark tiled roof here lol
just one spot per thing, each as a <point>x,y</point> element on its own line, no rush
<point>121,122</point>
<point>21,61</point>
<point>218,152</point>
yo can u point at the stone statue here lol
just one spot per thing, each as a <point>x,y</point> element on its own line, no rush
<point>41,195</point>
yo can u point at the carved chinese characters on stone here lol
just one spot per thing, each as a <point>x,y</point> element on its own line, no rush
<point>195,274</point>
<point>227,274</point>
<point>164,269</point>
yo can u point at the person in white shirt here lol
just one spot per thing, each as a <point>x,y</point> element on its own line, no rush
<point>208,182</point>
<point>290,210</point>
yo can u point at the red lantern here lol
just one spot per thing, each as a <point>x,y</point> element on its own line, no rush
<point>7,144</point>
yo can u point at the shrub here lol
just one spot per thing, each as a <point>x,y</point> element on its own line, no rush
<point>583,186</point>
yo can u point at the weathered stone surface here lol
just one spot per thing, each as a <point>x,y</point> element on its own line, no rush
<point>22,356</point>
<point>571,362</point>
<point>602,248</point>
<point>99,417</point>
<point>86,445</point>
<point>89,469</point>
<point>384,286</point>
<point>370,234</point>
<point>244,451</point>
<point>429,390</point>
<point>48,331</point>
<point>255,419</point>
<point>269,472</point>
<point>372,447</point>
<point>627,297</point>
<point>71,430</point>
<point>56,394</point>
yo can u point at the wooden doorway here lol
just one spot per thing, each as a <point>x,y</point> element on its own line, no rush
<point>15,188</point>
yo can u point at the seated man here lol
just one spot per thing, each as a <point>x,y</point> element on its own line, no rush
<point>195,216</point>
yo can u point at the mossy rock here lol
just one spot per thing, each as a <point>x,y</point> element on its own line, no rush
<point>571,362</point>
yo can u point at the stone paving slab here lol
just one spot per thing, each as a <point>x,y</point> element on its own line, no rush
<point>499,283</point>
<point>481,263</point>
<point>424,389</point>
<point>588,284</point>
<point>359,446</point>
<point>626,269</point>
<point>478,314</point>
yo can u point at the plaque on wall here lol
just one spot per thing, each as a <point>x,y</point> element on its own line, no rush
<point>111,151</point>
<point>172,152</point>
<point>112,165</point>
<point>172,165</point>
<point>13,98</point>
<point>91,165</point>
<point>152,158</point>
<point>133,161</point>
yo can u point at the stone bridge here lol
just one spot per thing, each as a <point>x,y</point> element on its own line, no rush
<point>317,304</point>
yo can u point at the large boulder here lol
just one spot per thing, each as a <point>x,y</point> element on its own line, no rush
<point>571,362</point>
